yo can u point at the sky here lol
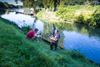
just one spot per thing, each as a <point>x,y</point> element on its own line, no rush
<point>12,2</point>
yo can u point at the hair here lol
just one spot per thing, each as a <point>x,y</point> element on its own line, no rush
<point>35,29</point>
<point>57,31</point>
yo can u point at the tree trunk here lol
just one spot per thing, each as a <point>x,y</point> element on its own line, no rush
<point>55,5</point>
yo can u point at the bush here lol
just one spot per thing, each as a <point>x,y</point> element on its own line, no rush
<point>67,13</point>
<point>89,21</point>
<point>89,15</point>
<point>97,18</point>
<point>25,29</point>
<point>80,19</point>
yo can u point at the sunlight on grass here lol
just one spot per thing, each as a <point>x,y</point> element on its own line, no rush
<point>83,12</point>
<point>86,11</point>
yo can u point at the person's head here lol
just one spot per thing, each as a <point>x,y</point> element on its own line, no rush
<point>57,31</point>
<point>36,30</point>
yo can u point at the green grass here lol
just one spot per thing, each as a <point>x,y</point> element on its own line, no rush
<point>17,51</point>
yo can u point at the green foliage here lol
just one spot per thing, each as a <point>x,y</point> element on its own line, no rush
<point>25,29</point>
<point>40,14</point>
<point>48,3</point>
<point>97,18</point>
<point>5,5</point>
<point>52,3</point>
<point>89,21</point>
<point>67,13</point>
<point>73,2</point>
<point>86,14</point>
<point>92,21</point>
<point>2,12</point>
<point>80,19</point>
<point>2,5</point>
<point>28,3</point>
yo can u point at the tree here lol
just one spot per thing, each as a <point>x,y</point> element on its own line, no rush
<point>51,4</point>
<point>56,3</point>
<point>28,3</point>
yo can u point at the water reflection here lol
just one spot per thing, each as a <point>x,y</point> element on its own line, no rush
<point>85,40</point>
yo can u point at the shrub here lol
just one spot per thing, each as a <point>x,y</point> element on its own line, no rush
<point>80,19</point>
<point>97,18</point>
<point>85,14</point>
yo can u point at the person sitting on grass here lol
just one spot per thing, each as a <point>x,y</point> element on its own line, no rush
<point>32,34</point>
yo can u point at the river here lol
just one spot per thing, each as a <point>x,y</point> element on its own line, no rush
<point>83,39</point>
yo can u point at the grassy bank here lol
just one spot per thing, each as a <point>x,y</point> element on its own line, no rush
<point>17,51</point>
